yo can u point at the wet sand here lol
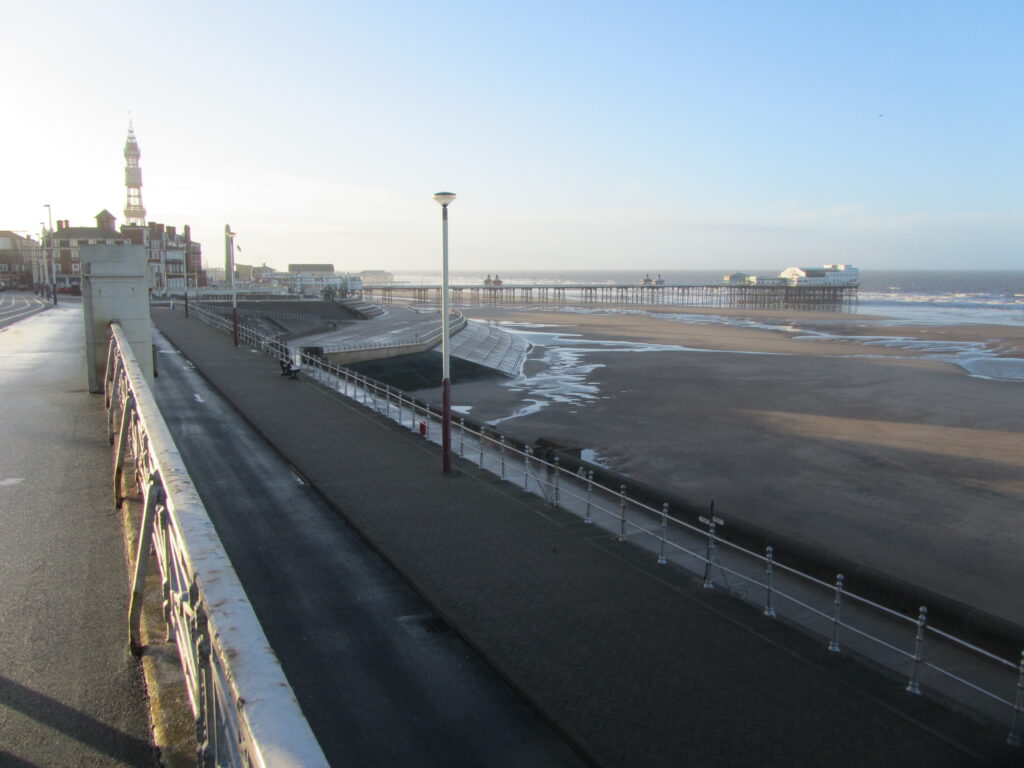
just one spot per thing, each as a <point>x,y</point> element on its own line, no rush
<point>907,465</point>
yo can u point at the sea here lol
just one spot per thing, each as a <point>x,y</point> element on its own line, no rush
<point>894,298</point>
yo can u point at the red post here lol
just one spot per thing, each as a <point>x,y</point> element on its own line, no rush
<point>446,425</point>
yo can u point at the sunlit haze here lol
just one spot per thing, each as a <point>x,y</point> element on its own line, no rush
<point>577,135</point>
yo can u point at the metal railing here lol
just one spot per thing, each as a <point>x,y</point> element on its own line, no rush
<point>925,655</point>
<point>244,708</point>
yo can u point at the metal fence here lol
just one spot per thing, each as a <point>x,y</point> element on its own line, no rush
<point>906,644</point>
<point>245,711</point>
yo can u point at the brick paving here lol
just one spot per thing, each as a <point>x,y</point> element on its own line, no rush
<point>633,662</point>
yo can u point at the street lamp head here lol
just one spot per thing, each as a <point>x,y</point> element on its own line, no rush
<point>445,198</point>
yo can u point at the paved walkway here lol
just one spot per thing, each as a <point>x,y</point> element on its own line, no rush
<point>70,693</point>
<point>631,661</point>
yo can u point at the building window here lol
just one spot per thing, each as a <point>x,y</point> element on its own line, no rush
<point>3,267</point>
<point>76,267</point>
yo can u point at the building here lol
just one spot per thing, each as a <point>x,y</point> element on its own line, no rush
<point>174,259</point>
<point>376,277</point>
<point>830,274</point>
<point>19,259</point>
<point>62,244</point>
<point>311,280</point>
<point>311,269</point>
<point>736,278</point>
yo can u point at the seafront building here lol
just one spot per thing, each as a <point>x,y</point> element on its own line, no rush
<point>19,261</point>
<point>376,277</point>
<point>827,275</point>
<point>299,280</point>
<point>61,248</point>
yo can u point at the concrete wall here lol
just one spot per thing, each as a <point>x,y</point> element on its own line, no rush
<point>115,287</point>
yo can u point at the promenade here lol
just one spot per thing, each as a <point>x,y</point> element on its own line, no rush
<point>70,692</point>
<point>632,662</point>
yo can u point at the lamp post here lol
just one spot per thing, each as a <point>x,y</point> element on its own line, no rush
<point>42,259</point>
<point>53,258</point>
<point>445,199</point>
<point>229,263</point>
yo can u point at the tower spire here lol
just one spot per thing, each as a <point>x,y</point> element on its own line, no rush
<point>134,212</point>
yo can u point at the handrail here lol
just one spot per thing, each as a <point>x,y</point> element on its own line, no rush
<point>245,711</point>
<point>627,516</point>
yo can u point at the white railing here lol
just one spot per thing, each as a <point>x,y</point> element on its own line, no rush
<point>923,654</point>
<point>245,711</point>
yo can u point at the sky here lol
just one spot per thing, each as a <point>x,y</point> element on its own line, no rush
<point>724,134</point>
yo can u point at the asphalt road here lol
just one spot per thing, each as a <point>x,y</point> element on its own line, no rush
<point>18,305</point>
<point>70,693</point>
<point>381,680</point>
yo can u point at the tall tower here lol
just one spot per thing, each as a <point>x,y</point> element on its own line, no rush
<point>134,213</point>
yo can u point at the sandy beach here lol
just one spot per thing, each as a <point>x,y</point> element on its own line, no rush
<point>888,458</point>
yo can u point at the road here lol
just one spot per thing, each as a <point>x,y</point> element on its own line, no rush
<point>70,693</point>
<point>18,305</point>
<point>380,678</point>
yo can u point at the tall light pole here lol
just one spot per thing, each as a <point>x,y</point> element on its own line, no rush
<point>445,199</point>
<point>53,258</point>
<point>42,258</point>
<point>229,263</point>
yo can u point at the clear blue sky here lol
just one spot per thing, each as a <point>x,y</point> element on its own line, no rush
<point>660,135</point>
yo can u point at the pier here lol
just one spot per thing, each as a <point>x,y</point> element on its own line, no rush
<point>739,296</point>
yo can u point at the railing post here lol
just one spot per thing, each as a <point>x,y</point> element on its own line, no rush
<point>400,415</point>
<point>108,372</point>
<point>1017,720</point>
<point>481,438</point>
<point>590,495</point>
<point>387,402</point>
<point>462,438</point>
<point>206,725</point>
<point>122,447</point>
<point>558,471</point>
<point>664,533</point>
<point>708,582</point>
<point>913,686</point>
<point>114,391</point>
<point>526,468</point>
<point>769,608</point>
<point>501,452</point>
<point>622,513</point>
<point>837,606</point>
<point>153,496</point>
